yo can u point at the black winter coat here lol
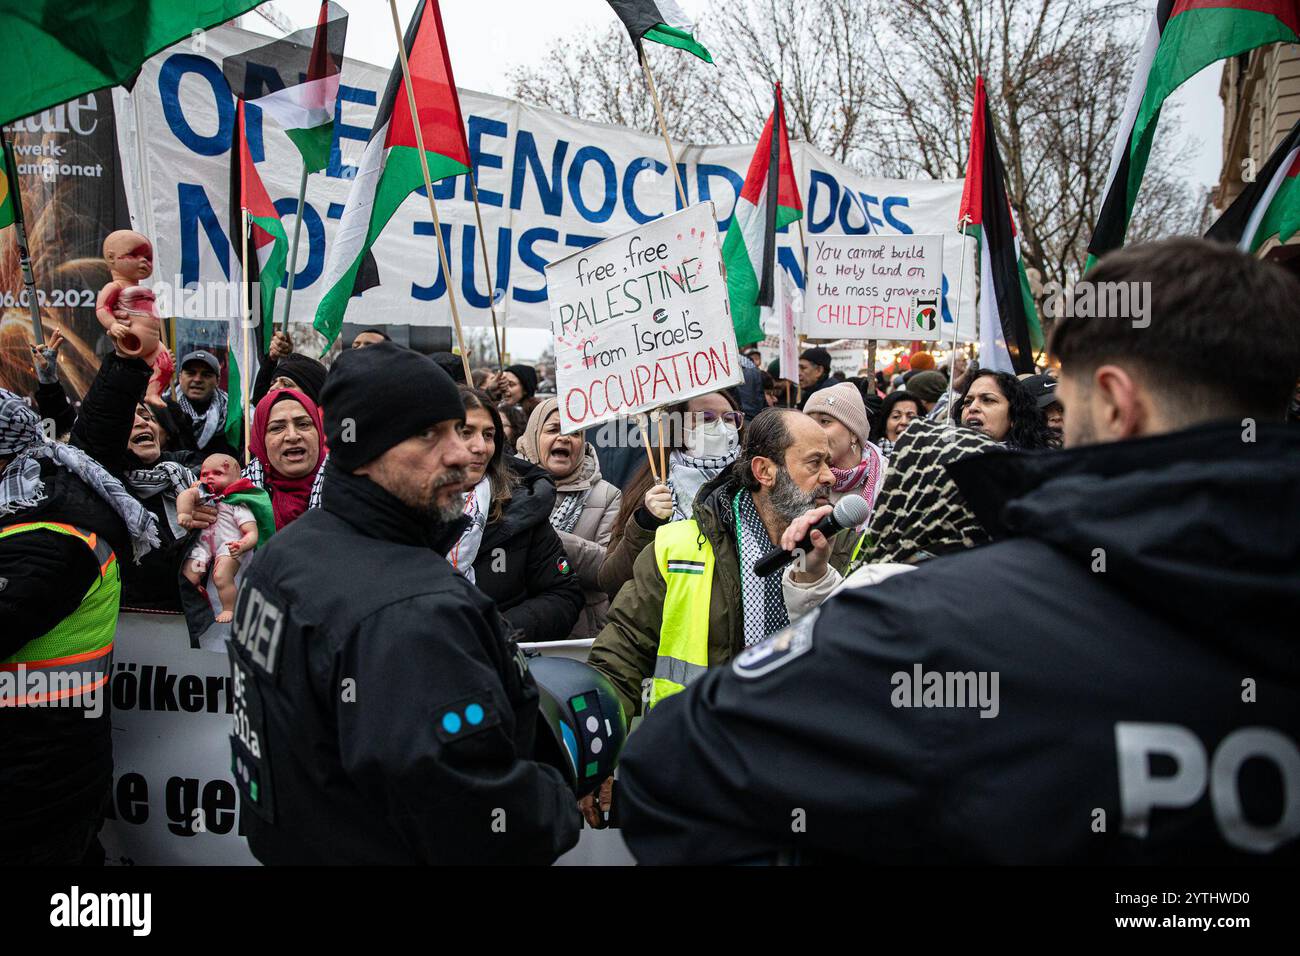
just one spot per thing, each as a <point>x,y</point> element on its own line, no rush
<point>103,431</point>
<point>522,565</point>
<point>385,716</point>
<point>182,436</point>
<point>1138,610</point>
<point>56,764</point>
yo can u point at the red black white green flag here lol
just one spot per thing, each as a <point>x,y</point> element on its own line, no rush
<point>1008,324</point>
<point>768,201</point>
<point>295,80</point>
<point>268,250</point>
<point>1270,206</point>
<point>1184,37</point>
<point>389,170</point>
<point>660,21</point>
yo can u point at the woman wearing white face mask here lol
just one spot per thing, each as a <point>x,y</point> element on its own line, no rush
<point>585,504</point>
<point>710,437</point>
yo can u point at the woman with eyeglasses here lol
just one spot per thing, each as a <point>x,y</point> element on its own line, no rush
<point>704,435</point>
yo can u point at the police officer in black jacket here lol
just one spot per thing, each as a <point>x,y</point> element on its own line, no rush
<point>1113,680</point>
<point>383,713</point>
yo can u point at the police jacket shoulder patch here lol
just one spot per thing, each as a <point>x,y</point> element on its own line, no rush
<point>778,650</point>
<point>465,717</point>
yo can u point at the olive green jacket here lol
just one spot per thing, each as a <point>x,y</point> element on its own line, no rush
<point>626,648</point>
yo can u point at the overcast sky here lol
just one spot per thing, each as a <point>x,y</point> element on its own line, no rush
<point>488,38</point>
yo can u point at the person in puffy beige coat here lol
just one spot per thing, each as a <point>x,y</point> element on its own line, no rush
<point>585,505</point>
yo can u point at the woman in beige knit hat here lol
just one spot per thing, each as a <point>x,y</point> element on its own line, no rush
<point>856,463</point>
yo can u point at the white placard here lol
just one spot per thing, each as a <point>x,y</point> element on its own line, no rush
<point>642,320</point>
<point>874,287</point>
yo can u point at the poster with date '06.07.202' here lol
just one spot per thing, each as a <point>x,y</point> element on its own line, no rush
<point>642,320</point>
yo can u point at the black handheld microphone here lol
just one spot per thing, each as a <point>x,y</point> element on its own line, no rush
<point>850,512</point>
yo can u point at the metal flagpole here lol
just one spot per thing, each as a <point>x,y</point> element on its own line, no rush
<point>24,257</point>
<point>663,127</point>
<point>428,188</point>
<point>293,249</point>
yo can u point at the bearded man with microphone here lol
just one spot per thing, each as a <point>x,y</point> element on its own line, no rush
<point>708,589</point>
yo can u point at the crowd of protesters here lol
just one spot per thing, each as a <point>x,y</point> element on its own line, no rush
<point>570,540</point>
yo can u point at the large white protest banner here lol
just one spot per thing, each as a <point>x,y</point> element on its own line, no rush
<point>642,320</point>
<point>874,287</point>
<point>549,185</point>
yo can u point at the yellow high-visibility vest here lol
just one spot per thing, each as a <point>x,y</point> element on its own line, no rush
<point>685,559</point>
<point>76,654</point>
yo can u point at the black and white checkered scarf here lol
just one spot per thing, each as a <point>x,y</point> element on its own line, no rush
<point>763,611</point>
<point>253,472</point>
<point>167,478</point>
<point>21,486</point>
<point>209,421</point>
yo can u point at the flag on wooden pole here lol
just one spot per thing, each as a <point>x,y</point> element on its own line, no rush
<point>1008,321</point>
<point>660,21</point>
<point>390,168</point>
<point>267,247</point>
<point>1183,37</point>
<point>295,80</point>
<point>768,201</point>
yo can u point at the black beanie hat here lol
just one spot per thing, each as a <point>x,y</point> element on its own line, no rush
<point>308,373</point>
<point>817,356</point>
<point>389,393</point>
<point>450,363</point>
<point>527,376</point>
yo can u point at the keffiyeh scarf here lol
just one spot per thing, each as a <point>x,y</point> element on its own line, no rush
<point>255,473</point>
<point>919,510</point>
<point>208,421</point>
<point>21,486</point>
<point>688,474</point>
<point>864,478</point>
<point>463,555</point>
<point>763,602</point>
<point>569,504</point>
<point>168,478</point>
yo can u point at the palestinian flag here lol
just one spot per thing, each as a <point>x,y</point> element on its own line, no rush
<point>1184,37</point>
<point>10,200</point>
<point>268,248</point>
<point>389,170</point>
<point>768,201</point>
<point>662,21</point>
<point>295,80</point>
<point>1268,207</point>
<point>56,50</point>
<point>255,499</point>
<point>1009,328</point>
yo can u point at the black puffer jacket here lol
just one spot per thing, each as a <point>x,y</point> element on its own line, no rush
<point>56,764</point>
<point>1138,609</point>
<point>522,565</point>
